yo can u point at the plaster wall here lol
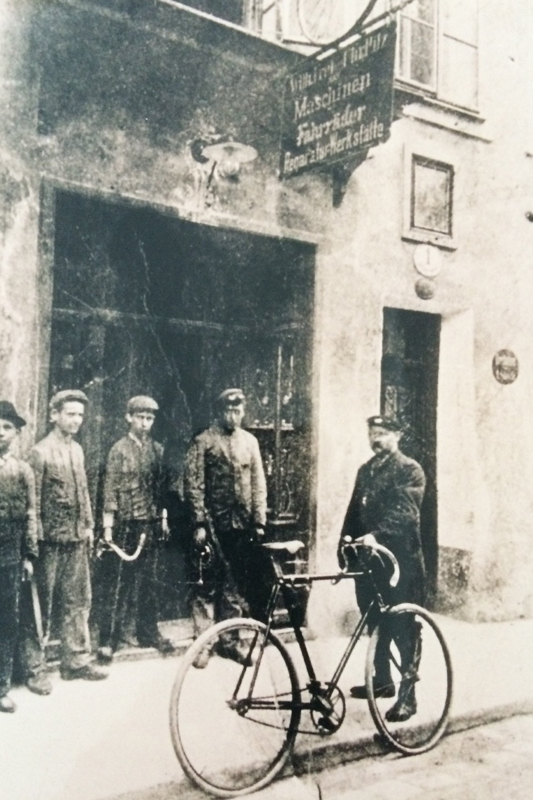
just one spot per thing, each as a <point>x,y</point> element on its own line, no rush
<point>484,297</point>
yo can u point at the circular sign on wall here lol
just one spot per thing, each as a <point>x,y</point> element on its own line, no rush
<point>505,366</point>
<point>425,288</point>
<point>427,260</point>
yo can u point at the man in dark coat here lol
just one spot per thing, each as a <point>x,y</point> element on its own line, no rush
<point>225,489</point>
<point>385,508</point>
<point>18,541</point>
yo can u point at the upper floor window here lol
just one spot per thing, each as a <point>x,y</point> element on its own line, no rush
<point>437,49</point>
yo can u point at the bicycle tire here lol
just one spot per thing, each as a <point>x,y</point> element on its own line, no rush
<point>225,748</point>
<point>425,670</point>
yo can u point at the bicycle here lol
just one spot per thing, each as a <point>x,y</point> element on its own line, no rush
<point>234,723</point>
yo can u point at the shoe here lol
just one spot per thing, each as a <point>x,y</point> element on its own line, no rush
<point>105,655</point>
<point>88,673</point>
<point>202,659</point>
<point>380,690</point>
<point>39,684</point>
<point>239,652</point>
<point>128,642</point>
<point>401,711</point>
<point>7,704</point>
<point>159,643</point>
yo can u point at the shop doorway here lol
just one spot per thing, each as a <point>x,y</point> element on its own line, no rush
<point>146,303</point>
<point>409,382</point>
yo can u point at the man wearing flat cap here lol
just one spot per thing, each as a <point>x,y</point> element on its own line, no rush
<point>133,505</point>
<point>385,508</point>
<point>65,528</point>
<point>225,488</point>
<point>18,541</point>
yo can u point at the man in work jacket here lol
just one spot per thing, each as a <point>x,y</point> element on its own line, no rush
<point>225,489</point>
<point>65,529</point>
<point>133,506</point>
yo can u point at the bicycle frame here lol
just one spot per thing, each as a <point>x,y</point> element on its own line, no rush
<point>283,585</point>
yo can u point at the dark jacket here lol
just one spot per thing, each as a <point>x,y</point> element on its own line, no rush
<point>63,503</point>
<point>18,529</point>
<point>386,501</point>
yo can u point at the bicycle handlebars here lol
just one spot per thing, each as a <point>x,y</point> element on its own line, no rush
<point>292,548</point>
<point>377,548</point>
<point>123,555</point>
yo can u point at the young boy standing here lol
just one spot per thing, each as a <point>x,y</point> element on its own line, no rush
<point>133,505</point>
<point>18,541</point>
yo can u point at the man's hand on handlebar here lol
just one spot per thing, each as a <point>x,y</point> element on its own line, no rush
<point>200,538</point>
<point>366,547</point>
<point>368,539</point>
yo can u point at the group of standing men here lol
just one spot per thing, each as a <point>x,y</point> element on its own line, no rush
<point>46,521</point>
<point>47,527</point>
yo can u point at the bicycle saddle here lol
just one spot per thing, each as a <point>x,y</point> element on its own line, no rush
<point>291,547</point>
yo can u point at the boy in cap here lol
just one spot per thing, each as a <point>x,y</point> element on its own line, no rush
<point>18,541</point>
<point>133,505</point>
<point>65,529</point>
<point>225,488</point>
<point>385,508</point>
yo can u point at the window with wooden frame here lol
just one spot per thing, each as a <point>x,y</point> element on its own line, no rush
<point>438,49</point>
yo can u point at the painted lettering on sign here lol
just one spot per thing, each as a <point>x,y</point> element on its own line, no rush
<point>339,106</point>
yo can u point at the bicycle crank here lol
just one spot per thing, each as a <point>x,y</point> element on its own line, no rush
<point>327,713</point>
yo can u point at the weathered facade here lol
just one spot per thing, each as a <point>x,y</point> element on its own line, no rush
<point>130,262</point>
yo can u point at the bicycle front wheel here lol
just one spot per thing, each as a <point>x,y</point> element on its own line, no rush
<point>235,708</point>
<point>409,679</point>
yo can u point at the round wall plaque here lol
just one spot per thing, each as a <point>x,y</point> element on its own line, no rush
<point>425,288</point>
<point>427,260</point>
<point>505,366</point>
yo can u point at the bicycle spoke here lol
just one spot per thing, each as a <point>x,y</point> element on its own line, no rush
<point>233,725</point>
<point>414,718</point>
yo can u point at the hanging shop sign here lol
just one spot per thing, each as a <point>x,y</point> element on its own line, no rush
<point>340,106</point>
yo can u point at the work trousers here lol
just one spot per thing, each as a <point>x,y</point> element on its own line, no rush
<point>9,617</point>
<point>236,584</point>
<point>130,591</point>
<point>63,578</point>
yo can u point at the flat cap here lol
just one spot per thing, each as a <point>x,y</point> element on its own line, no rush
<point>142,402</point>
<point>66,396</point>
<point>231,397</point>
<point>381,421</point>
<point>8,412</point>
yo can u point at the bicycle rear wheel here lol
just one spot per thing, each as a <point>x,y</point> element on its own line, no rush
<point>420,679</point>
<point>235,708</point>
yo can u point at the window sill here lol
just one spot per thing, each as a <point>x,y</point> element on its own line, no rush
<point>429,237</point>
<point>407,93</point>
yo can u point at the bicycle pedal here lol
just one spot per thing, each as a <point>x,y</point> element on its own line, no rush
<point>327,724</point>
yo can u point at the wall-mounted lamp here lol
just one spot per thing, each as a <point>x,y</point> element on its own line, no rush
<point>226,157</point>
